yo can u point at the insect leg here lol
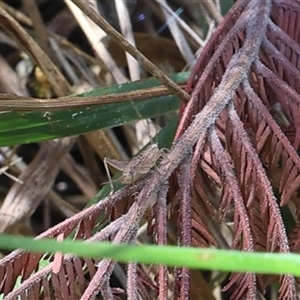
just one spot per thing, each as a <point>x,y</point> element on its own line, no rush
<point>108,176</point>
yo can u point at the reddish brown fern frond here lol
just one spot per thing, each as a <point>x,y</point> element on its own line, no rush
<point>72,269</point>
<point>245,147</point>
<point>235,149</point>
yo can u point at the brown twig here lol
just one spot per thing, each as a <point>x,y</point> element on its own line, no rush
<point>15,103</point>
<point>146,63</point>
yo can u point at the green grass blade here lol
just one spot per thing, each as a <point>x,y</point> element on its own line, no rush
<point>195,258</point>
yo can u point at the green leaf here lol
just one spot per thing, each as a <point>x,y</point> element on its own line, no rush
<point>36,126</point>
